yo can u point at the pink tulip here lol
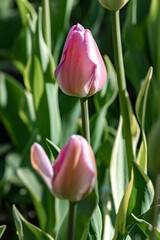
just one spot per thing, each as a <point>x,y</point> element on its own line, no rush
<point>81,71</point>
<point>73,174</point>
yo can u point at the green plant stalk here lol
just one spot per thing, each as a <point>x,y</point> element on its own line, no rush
<point>124,108</point>
<point>47,23</point>
<point>86,134</point>
<point>85,119</point>
<point>72,220</point>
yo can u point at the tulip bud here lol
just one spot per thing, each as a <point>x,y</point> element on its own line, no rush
<point>113,5</point>
<point>73,174</point>
<point>81,71</point>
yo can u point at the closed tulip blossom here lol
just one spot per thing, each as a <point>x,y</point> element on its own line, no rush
<point>73,174</point>
<point>113,5</point>
<point>81,71</point>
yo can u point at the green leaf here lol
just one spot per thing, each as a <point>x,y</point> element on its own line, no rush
<point>140,112</point>
<point>22,49</point>
<point>61,23</point>
<point>2,229</point>
<point>134,36</point>
<point>4,148</point>
<point>26,8</point>
<point>97,125</point>
<point>45,98</point>
<point>109,219</point>
<point>36,191</point>
<point>50,211</point>
<point>12,99</point>
<point>54,113</point>
<point>85,211</point>
<point>103,100</point>
<point>53,148</point>
<point>118,168</point>
<point>12,162</point>
<point>70,112</point>
<point>23,45</point>
<point>153,147</point>
<point>27,112</point>
<point>142,98</point>
<point>109,92</point>
<point>5,8</point>
<point>137,199</point>
<point>135,130</point>
<point>154,35</point>
<point>95,228</point>
<point>147,228</point>
<point>142,154</point>
<point>41,50</point>
<point>142,194</point>
<point>26,230</point>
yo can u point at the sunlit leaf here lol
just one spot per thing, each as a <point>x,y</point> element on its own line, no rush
<point>108,222</point>
<point>95,229</point>
<point>142,98</point>
<point>103,100</point>
<point>36,190</point>
<point>26,230</point>
<point>70,113</point>
<point>45,98</point>
<point>118,168</point>
<point>25,7</point>
<point>142,154</point>
<point>147,228</point>
<point>2,229</point>
<point>137,199</point>
<point>41,50</point>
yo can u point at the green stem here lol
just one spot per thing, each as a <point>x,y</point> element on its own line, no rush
<point>85,119</point>
<point>72,220</point>
<point>124,107</point>
<point>47,23</point>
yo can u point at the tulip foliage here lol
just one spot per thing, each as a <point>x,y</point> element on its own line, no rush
<point>79,106</point>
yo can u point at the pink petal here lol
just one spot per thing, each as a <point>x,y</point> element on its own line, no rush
<point>76,71</point>
<point>76,176</point>
<point>81,71</point>
<point>41,163</point>
<point>95,56</point>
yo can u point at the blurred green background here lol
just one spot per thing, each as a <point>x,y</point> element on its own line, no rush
<point>140,27</point>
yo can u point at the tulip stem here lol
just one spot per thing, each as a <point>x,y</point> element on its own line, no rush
<point>72,220</point>
<point>85,119</point>
<point>123,95</point>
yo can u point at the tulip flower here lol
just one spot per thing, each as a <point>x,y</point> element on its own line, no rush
<point>73,174</point>
<point>81,71</point>
<point>113,5</point>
